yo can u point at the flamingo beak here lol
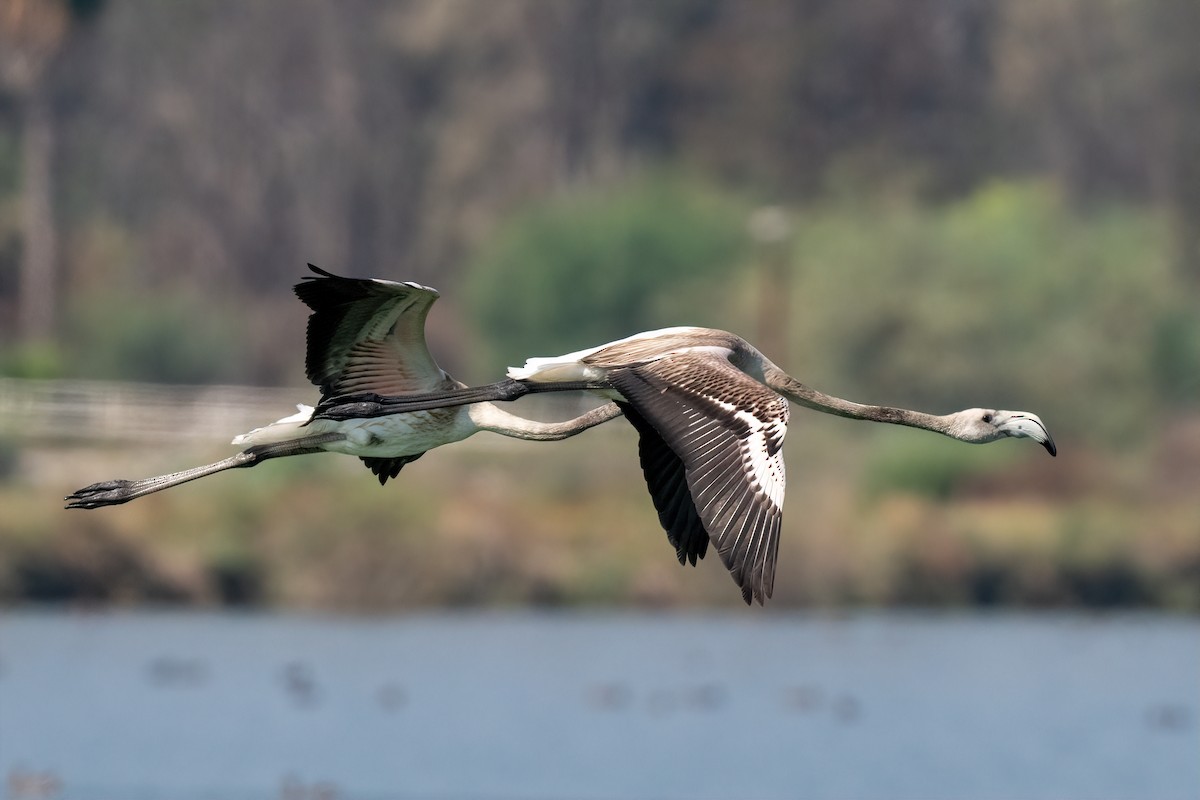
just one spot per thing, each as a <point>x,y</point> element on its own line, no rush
<point>1029,426</point>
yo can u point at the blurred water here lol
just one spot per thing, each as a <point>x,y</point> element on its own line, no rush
<point>523,705</point>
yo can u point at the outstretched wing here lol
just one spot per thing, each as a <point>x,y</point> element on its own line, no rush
<point>368,335</point>
<point>727,431</point>
<point>666,478</point>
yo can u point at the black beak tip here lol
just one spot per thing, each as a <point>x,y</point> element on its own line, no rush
<point>1050,448</point>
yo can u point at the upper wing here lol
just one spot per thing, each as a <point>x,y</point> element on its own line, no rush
<point>727,429</point>
<point>368,335</point>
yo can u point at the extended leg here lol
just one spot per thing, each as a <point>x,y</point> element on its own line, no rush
<point>115,492</point>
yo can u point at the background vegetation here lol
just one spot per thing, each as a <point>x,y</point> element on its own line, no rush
<point>972,203</point>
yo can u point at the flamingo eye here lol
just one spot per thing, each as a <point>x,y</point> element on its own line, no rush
<point>987,417</point>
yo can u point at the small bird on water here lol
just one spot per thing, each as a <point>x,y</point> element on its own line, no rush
<point>710,410</point>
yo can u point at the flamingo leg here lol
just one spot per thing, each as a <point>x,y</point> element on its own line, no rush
<point>117,491</point>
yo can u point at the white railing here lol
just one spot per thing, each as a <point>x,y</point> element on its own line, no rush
<point>99,411</point>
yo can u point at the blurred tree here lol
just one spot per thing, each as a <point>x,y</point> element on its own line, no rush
<point>31,34</point>
<point>226,143</point>
<point>1174,26</point>
<point>1102,94</point>
<point>779,93</point>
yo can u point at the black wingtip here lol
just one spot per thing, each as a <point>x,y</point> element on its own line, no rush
<point>301,289</point>
<point>321,272</point>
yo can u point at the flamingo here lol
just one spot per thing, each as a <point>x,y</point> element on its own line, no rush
<point>711,413</point>
<point>364,335</point>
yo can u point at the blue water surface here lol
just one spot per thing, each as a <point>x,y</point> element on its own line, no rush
<point>593,706</point>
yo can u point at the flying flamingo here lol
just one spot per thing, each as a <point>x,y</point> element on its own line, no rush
<point>711,412</point>
<point>364,336</point>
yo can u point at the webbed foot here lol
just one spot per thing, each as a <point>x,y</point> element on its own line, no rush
<point>105,493</point>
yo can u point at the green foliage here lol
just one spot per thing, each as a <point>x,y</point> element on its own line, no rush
<point>1008,298</point>
<point>916,463</point>
<point>1175,357</point>
<point>34,360</point>
<point>593,267</point>
<point>170,339</point>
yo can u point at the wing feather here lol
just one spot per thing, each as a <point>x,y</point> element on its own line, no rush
<point>667,480</point>
<point>368,335</point>
<point>726,430</point>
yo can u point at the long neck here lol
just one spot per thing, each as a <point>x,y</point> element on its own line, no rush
<point>806,396</point>
<point>489,417</point>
